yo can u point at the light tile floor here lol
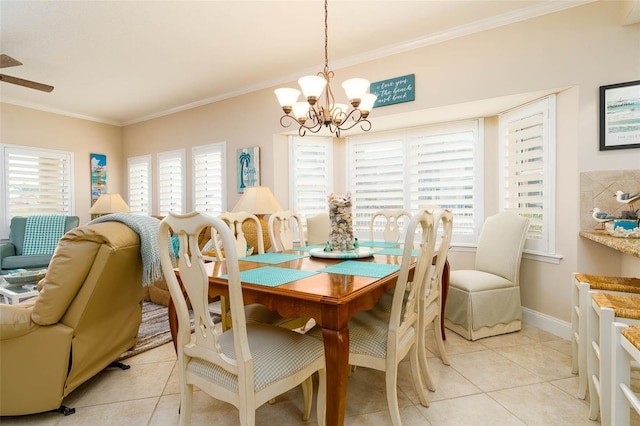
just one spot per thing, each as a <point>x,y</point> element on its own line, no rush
<point>522,378</point>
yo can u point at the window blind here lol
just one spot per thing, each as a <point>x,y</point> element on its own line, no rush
<point>37,181</point>
<point>209,193</point>
<point>311,170</point>
<point>528,164</point>
<point>140,184</point>
<point>433,166</point>
<point>171,182</point>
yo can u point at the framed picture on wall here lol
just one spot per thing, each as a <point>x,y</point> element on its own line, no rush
<point>620,116</point>
<point>98,176</point>
<point>248,161</point>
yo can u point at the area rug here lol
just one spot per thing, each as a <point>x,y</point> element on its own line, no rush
<point>154,329</point>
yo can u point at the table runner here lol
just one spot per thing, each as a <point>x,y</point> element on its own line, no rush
<point>378,244</point>
<point>363,269</point>
<point>272,276</point>
<point>307,248</point>
<point>272,258</point>
<point>397,251</point>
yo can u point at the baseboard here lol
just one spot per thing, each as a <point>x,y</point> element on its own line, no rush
<point>547,323</point>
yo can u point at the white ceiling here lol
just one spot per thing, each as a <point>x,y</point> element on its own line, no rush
<point>121,62</point>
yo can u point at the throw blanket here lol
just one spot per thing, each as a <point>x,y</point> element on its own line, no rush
<point>147,228</point>
<point>42,233</point>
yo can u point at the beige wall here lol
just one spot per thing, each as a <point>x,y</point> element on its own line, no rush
<point>25,126</point>
<point>572,53</point>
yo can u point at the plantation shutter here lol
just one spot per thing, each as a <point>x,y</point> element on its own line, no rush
<point>377,178</point>
<point>208,178</point>
<point>37,181</point>
<point>311,174</point>
<point>140,184</point>
<point>442,172</point>
<point>434,166</point>
<point>171,182</point>
<point>527,168</point>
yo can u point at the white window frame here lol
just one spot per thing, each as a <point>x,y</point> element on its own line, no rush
<point>546,244</point>
<point>411,199</point>
<point>173,164</point>
<point>64,202</point>
<point>219,148</point>
<point>135,183</point>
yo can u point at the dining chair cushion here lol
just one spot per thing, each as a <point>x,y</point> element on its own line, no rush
<point>471,280</point>
<point>275,351</point>
<point>368,333</point>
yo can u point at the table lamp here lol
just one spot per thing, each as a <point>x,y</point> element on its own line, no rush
<point>258,200</point>
<point>107,204</point>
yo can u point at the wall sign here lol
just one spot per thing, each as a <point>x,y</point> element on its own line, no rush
<point>394,90</point>
<point>248,160</point>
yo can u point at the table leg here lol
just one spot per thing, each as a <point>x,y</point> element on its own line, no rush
<point>445,290</point>
<point>173,323</point>
<point>336,351</point>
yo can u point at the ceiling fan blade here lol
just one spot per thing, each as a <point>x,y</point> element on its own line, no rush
<point>26,83</point>
<point>7,61</point>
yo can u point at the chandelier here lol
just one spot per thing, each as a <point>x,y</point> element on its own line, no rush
<point>313,114</point>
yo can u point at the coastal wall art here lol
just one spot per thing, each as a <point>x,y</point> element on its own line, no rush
<point>98,176</point>
<point>248,161</point>
<point>620,116</point>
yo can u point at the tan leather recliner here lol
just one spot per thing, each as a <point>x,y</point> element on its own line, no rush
<point>87,314</point>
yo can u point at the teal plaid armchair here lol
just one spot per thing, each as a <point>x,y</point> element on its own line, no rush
<point>12,254</point>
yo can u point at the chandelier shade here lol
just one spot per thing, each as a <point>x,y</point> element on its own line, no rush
<point>314,113</point>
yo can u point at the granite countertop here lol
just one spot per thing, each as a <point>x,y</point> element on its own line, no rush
<point>625,245</point>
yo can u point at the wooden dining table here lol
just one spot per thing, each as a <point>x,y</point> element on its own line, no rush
<point>330,298</point>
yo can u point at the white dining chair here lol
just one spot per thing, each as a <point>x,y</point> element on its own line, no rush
<point>381,340</point>
<point>281,233</point>
<point>390,221</point>
<point>431,297</point>
<point>250,363</point>
<point>485,301</point>
<point>318,229</point>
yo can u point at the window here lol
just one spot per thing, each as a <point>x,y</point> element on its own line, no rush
<point>527,172</point>
<point>171,182</point>
<point>34,181</point>
<point>140,184</point>
<point>310,165</point>
<point>209,194</point>
<point>428,166</point>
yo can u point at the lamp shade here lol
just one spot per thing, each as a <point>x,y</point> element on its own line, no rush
<point>109,203</point>
<point>257,200</point>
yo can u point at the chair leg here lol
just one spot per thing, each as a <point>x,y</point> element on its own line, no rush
<point>583,338</point>
<point>307,392</point>
<point>392,394</point>
<point>417,370</point>
<point>423,362</point>
<point>440,341</point>
<point>186,404</point>
<point>593,364</point>
<point>321,404</point>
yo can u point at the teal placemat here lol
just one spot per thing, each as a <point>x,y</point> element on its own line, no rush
<point>364,269</point>
<point>273,258</point>
<point>306,248</point>
<point>378,244</point>
<point>271,276</point>
<point>397,251</point>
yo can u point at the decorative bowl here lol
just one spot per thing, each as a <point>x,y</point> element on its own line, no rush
<point>25,277</point>
<point>622,232</point>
